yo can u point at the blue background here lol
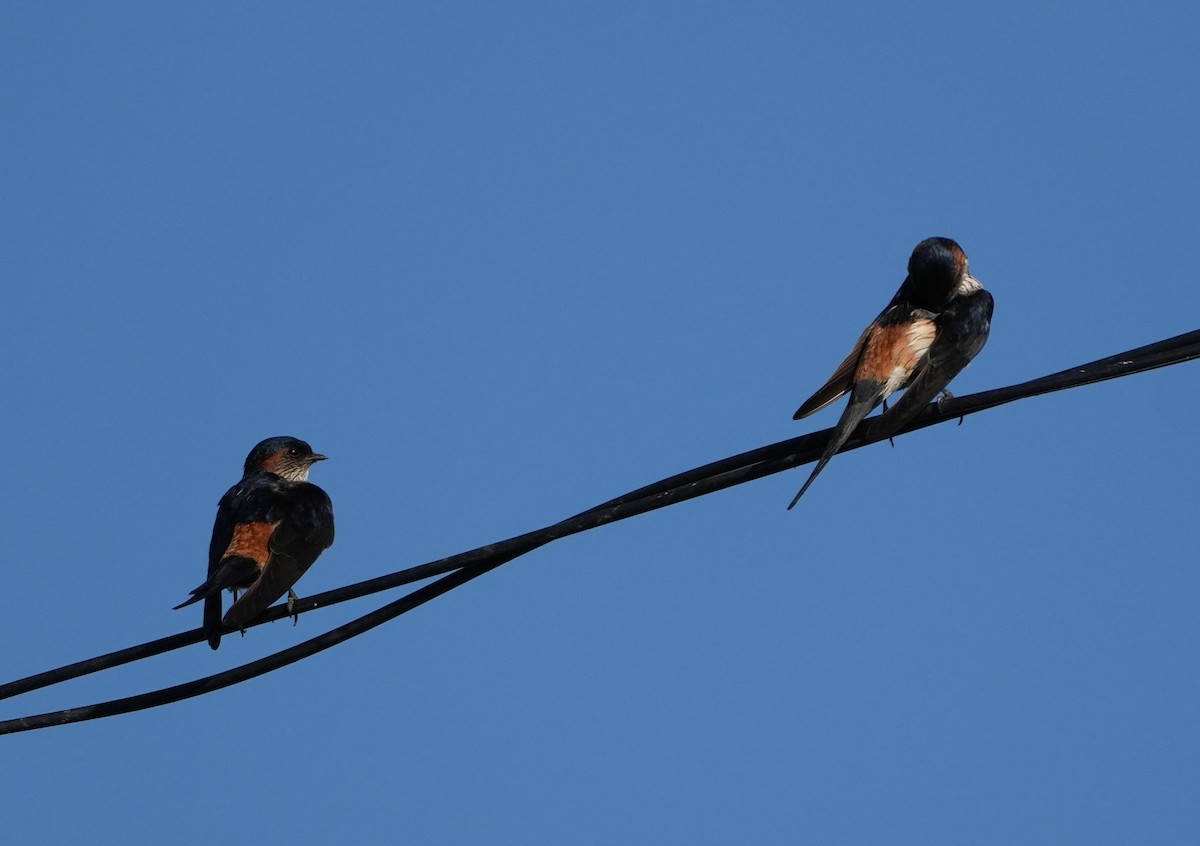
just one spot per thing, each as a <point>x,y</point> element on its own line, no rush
<point>503,261</point>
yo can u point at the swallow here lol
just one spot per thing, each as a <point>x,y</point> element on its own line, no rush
<point>894,350</point>
<point>270,527</point>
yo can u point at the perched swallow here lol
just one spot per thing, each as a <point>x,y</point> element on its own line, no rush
<point>894,351</point>
<point>270,527</point>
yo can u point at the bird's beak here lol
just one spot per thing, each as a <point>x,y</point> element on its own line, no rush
<point>316,456</point>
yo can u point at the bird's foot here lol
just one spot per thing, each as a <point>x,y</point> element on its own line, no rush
<point>943,399</point>
<point>291,605</point>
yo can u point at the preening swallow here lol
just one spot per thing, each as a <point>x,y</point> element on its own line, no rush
<point>270,527</point>
<point>931,329</point>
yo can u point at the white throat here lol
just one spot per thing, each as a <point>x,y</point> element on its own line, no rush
<point>968,285</point>
<point>294,472</point>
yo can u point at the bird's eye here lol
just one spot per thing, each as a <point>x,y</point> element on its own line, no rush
<point>294,451</point>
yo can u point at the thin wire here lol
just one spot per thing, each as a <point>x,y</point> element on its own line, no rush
<point>702,480</point>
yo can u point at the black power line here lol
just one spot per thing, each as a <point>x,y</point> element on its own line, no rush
<point>468,565</point>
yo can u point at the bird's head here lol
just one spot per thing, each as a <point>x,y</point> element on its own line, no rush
<point>284,456</point>
<point>937,272</point>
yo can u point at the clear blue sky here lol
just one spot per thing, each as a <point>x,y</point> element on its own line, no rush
<point>503,261</point>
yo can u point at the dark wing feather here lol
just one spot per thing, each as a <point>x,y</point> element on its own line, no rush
<point>222,534</point>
